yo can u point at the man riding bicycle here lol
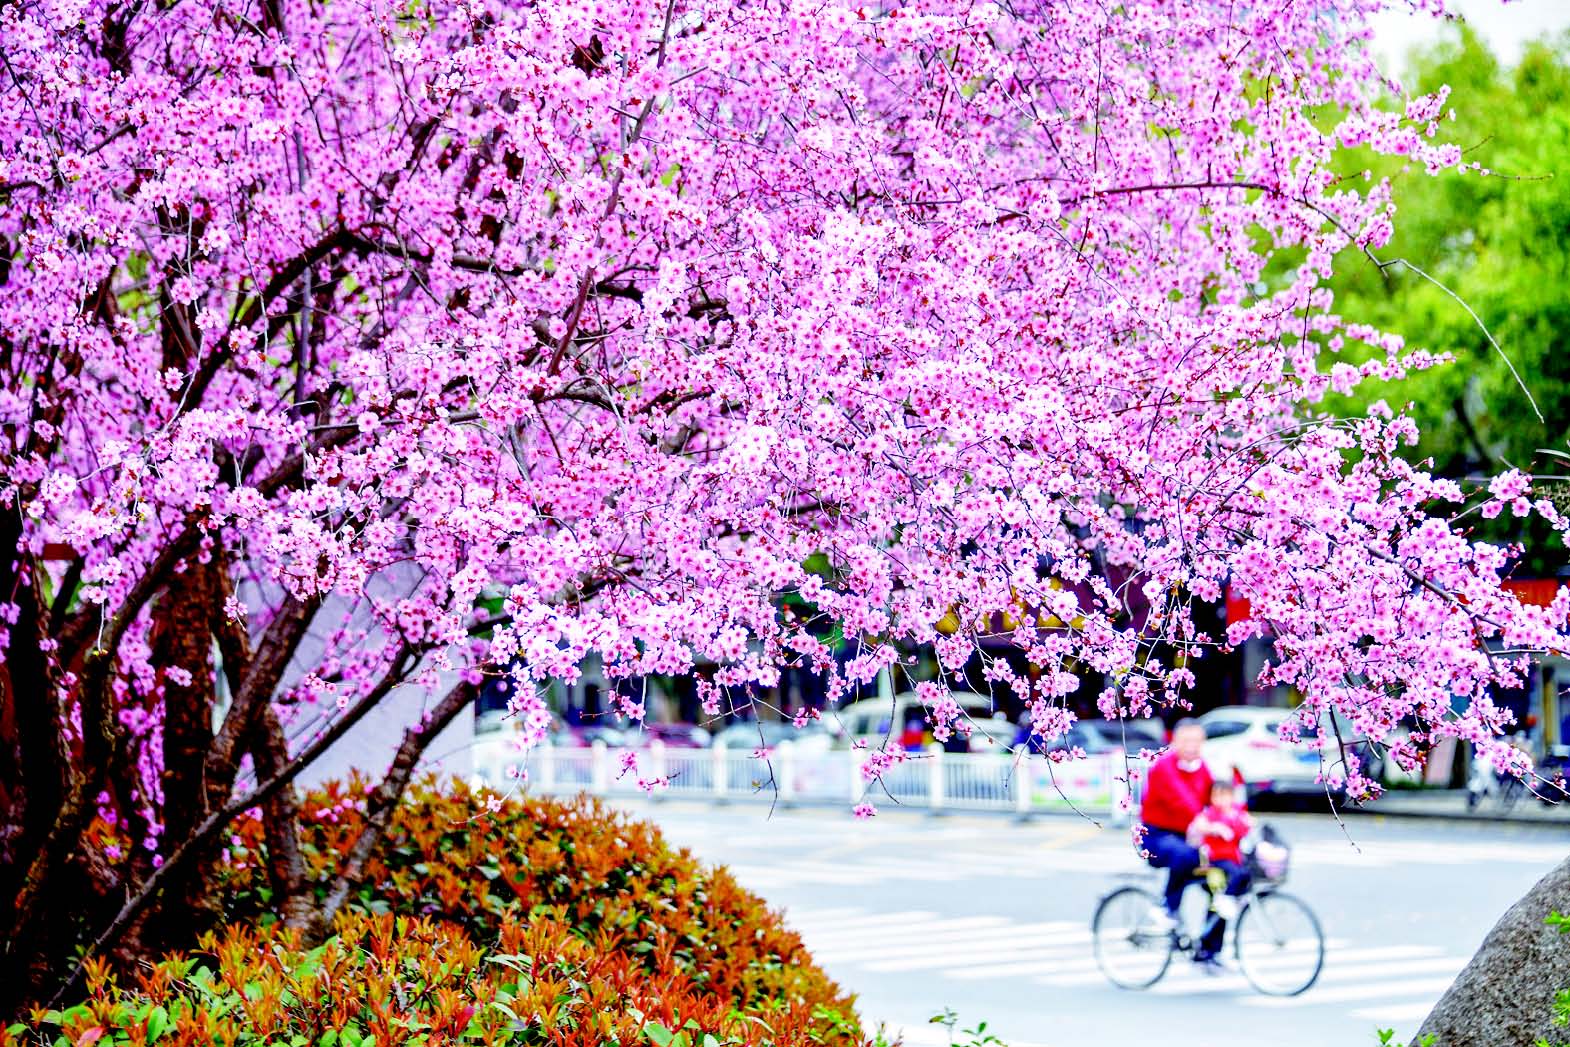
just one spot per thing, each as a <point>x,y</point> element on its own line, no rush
<point>1177,791</point>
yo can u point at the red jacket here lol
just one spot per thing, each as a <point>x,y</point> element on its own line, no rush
<point>1218,849</point>
<point>1173,796</point>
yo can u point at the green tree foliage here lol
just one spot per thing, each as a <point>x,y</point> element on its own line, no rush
<point>1501,243</point>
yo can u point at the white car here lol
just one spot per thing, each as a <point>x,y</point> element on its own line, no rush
<point>1247,738</point>
<point>879,720</point>
<point>748,736</point>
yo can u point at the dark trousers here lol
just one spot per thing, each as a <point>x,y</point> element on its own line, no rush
<point>1170,851</point>
<point>1237,883</point>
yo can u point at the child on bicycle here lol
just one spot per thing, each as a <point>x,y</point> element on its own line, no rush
<point>1224,823</point>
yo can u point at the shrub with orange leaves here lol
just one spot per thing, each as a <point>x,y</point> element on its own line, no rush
<point>525,922</point>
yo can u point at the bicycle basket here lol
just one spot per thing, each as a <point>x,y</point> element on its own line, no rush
<point>1270,857</point>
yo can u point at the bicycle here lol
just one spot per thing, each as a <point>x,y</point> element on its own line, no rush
<point>1276,938</point>
<point>1484,781</point>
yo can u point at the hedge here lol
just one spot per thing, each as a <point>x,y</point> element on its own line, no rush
<point>524,922</point>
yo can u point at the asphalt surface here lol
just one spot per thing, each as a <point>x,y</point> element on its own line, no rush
<point>988,917</point>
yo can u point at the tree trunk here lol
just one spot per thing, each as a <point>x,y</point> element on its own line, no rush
<point>35,771</point>
<point>182,638</point>
<point>1504,997</point>
<point>281,821</point>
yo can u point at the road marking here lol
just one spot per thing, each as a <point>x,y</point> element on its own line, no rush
<point>855,917</point>
<point>979,941</point>
<point>787,873</point>
<point>1090,972</point>
<point>900,929</point>
<point>1063,839</point>
<point>1436,965</point>
<point>1398,1012</point>
<point>827,917</point>
<point>1041,865</point>
<point>1375,853</point>
<point>1352,993</point>
<point>898,921</point>
<point>1182,983</point>
<point>945,957</point>
<point>1068,961</point>
<point>1057,954</point>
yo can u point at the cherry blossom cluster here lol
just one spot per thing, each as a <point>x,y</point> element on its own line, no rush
<point>536,331</point>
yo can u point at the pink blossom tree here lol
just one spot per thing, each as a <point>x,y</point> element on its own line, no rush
<point>536,331</point>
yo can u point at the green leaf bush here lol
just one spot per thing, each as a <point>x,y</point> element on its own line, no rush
<point>525,922</point>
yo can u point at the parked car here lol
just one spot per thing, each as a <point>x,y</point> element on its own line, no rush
<point>1106,736</point>
<point>749,735</point>
<point>492,720</point>
<point>583,736</point>
<point>561,735</point>
<point>1247,738</point>
<point>877,721</point>
<point>674,735</point>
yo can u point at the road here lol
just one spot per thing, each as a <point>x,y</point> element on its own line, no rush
<point>988,916</point>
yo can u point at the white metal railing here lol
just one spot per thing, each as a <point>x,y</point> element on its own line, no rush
<point>1103,785</point>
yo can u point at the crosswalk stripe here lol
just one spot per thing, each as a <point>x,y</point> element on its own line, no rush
<point>1352,993</point>
<point>1064,969</point>
<point>1049,863</point>
<point>875,871</point>
<point>1056,954</point>
<point>1437,965</point>
<point>1003,935</point>
<point>900,928</point>
<point>1067,960</point>
<point>1074,961</point>
<point>1184,982</point>
<point>946,957</point>
<point>862,872</point>
<point>1112,858</point>
<point>1397,852</point>
<point>901,931</point>
<point>1398,1012</point>
<point>957,954</point>
<point>1342,957</point>
<point>784,875</point>
<point>901,920</point>
<point>1181,969</point>
<point>823,916</point>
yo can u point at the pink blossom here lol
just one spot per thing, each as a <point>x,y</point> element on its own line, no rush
<point>499,358</point>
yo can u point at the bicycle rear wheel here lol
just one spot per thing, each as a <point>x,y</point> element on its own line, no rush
<point>1510,791</point>
<point>1280,947</point>
<point>1130,950</point>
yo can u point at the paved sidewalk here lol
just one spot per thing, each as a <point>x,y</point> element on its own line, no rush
<point>1451,803</point>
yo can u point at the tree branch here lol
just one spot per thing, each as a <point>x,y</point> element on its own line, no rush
<point>387,795</point>
<point>265,669</point>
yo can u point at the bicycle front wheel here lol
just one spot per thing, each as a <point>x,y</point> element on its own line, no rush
<point>1131,949</point>
<point>1280,948</point>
